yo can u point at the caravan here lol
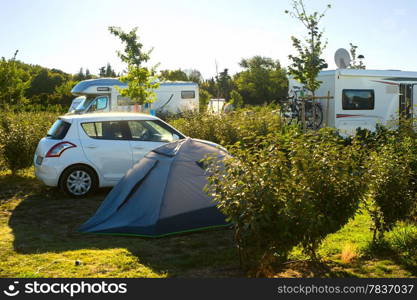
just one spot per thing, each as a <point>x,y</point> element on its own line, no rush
<point>365,98</point>
<point>101,95</point>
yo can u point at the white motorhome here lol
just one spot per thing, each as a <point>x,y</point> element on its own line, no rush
<point>365,98</point>
<point>101,95</point>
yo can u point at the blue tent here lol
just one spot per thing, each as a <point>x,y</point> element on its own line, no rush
<point>161,195</point>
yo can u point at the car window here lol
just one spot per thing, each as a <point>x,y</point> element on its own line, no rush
<point>58,130</point>
<point>151,131</point>
<point>109,130</point>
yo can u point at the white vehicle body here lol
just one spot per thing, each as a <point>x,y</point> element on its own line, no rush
<point>216,105</point>
<point>107,144</point>
<point>365,98</point>
<point>101,95</point>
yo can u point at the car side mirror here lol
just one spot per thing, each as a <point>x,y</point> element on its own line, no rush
<point>175,137</point>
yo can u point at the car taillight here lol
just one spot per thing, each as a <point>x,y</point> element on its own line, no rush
<point>57,149</point>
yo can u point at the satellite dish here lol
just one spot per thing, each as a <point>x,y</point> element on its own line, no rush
<point>342,58</point>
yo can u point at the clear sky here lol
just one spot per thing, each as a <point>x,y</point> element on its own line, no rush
<point>69,34</point>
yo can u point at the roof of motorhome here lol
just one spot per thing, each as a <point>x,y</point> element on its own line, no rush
<point>371,73</point>
<point>104,116</point>
<point>85,84</point>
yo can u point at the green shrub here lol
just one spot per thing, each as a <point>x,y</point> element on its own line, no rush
<point>403,239</point>
<point>19,136</point>
<point>244,126</point>
<point>392,183</point>
<point>289,189</point>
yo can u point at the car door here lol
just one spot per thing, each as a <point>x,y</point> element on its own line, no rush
<point>146,135</point>
<point>107,147</point>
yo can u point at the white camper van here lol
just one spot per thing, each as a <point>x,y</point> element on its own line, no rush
<point>364,98</point>
<point>101,95</point>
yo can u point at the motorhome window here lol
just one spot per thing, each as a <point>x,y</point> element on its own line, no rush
<point>358,99</point>
<point>58,130</point>
<point>151,131</point>
<point>122,100</point>
<point>187,94</point>
<point>85,103</point>
<point>111,130</point>
<point>98,104</point>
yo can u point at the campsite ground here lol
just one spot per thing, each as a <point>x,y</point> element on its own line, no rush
<point>38,238</point>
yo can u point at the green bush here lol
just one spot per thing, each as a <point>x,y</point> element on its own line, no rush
<point>19,136</point>
<point>289,189</point>
<point>392,183</point>
<point>245,126</point>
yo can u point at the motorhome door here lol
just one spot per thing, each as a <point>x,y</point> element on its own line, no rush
<point>406,101</point>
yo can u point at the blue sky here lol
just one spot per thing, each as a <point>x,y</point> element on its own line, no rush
<point>194,34</point>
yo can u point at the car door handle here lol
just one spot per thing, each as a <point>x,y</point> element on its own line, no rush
<point>138,147</point>
<point>91,146</point>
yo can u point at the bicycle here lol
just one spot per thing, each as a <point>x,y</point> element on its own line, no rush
<point>291,109</point>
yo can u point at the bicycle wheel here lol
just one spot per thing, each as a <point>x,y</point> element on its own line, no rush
<point>314,116</point>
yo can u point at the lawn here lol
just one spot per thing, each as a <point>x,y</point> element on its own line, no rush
<point>39,238</point>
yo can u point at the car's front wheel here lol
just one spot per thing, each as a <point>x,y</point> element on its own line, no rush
<point>78,181</point>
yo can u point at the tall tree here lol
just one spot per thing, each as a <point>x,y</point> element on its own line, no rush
<point>107,71</point>
<point>262,80</point>
<point>173,75</point>
<point>88,74</point>
<point>210,86</point>
<point>194,75</point>
<point>80,75</point>
<point>13,82</point>
<point>140,79</point>
<point>308,63</point>
<point>225,84</point>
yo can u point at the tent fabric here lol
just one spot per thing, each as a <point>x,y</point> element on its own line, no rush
<point>162,194</point>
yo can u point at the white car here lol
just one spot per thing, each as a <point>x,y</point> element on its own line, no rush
<point>83,152</point>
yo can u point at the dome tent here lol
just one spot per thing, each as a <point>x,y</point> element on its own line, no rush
<point>161,195</point>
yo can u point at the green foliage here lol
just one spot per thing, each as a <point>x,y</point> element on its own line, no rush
<point>225,84</point>
<point>45,82</point>
<point>210,86</point>
<point>355,64</point>
<point>140,85</point>
<point>243,126</point>
<point>392,183</point>
<point>141,80</point>
<point>307,64</point>
<point>236,99</point>
<point>262,81</point>
<point>203,99</point>
<point>14,81</point>
<point>181,75</point>
<point>173,75</point>
<point>83,76</point>
<point>288,189</point>
<point>19,136</point>
<point>194,76</point>
<point>404,239</point>
<point>107,71</point>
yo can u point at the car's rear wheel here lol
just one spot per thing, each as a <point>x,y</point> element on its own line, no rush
<point>79,181</point>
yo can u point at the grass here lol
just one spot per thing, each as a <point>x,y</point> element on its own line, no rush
<point>39,238</point>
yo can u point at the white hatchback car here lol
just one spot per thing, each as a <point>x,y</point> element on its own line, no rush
<point>83,152</point>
